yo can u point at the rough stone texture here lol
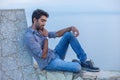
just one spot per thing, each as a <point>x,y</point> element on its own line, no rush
<point>58,76</point>
<point>16,63</point>
<point>12,52</point>
<point>102,75</point>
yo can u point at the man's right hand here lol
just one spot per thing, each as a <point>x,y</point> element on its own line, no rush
<point>44,56</point>
<point>44,32</point>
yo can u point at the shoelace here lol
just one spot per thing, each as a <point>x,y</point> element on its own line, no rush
<point>90,62</point>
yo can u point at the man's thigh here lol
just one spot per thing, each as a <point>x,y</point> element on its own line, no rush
<point>60,65</point>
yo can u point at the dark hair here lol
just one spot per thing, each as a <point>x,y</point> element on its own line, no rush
<point>38,13</point>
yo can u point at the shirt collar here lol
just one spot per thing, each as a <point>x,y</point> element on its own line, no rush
<point>34,31</point>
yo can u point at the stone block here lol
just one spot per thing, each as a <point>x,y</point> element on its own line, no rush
<point>42,77</point>
<point>55,76</point>
<point>0,51</point>
<point>1,45</point>
<point>31,77</point>
<point>9,63</point>
<point>102,75</point>
<point>30,73</point>
<point>5,77</point>
<point>68,75</point>
<point>1,74</point>
<point>14,74</point>
<point>28,69</point>
<point>59,75</point>
<point>11,43</point>
<point>8,48</point>
<point>79,78</point>
<point>24,58</point>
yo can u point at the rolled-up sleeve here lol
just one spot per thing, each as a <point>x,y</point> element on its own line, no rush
<point>52,35</point>
<point>33,45</point>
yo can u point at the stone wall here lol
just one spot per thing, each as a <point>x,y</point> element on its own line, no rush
<point>14,59</point>
<point>16,63</point>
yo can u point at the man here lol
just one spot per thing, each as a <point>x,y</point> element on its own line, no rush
<point>36,40</point>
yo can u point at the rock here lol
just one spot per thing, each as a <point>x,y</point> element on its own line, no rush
<point>12,28</point>
<point>59,75</point>
<point>102,75</point>
<point>79,78</point>
<point>68,75</point>
<point>55,76</point>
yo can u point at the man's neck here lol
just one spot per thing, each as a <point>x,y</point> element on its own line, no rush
<point>33,27</point>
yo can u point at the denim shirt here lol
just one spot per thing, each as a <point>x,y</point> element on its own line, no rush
<point>34,42</point>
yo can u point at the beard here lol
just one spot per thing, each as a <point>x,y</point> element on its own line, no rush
<point>39,27</point>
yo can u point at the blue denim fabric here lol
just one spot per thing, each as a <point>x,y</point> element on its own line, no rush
<point>61,65</point>
<point>60,51</point>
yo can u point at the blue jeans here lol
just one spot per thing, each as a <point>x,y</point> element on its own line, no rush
<point>58,63</point>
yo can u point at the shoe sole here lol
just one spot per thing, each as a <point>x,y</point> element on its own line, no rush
<point>90,70</point>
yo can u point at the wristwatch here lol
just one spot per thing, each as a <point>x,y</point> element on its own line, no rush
<point>46,37</point>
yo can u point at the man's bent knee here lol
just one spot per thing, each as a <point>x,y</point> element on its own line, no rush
<point>68,34</point>
<point>77,68</point>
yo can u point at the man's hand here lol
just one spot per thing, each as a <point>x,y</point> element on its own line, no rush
<point>75,31</point>
<point>44,32</point>
<point>68,29</point>
<point>44,56</point>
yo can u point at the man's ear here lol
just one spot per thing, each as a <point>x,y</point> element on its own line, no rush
<point>34,20</point>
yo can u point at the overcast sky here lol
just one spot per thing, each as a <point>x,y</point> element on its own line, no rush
<point>64,5</point>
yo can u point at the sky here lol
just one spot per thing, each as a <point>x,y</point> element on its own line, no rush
<point>64,7</point>
<point>97,20</point>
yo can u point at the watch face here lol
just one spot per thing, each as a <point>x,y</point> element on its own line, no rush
<point>46,37</point>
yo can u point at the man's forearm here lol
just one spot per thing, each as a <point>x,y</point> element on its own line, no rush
<point>45,49</point>
<point>61,32</point>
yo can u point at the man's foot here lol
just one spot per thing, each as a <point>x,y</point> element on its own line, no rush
<point>88,66</point>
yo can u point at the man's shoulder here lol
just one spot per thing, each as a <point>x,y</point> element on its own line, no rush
<point>28,33</point>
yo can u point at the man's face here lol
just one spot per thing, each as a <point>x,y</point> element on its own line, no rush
<point>40,23</point>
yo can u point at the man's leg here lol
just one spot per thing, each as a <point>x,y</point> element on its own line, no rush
<point>68,38</point>
<point>60,65</point>
<point>61,49</point>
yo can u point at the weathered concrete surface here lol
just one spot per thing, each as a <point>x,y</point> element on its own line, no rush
<point>102,75</point>
<point>16,63</point>
<point>14,59</point>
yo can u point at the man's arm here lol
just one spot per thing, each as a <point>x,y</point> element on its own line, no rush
<point>72,28</point>
<point>33,45</point>
<point>44,32</point>
<point>45,49</point>
<point>59,33</point>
